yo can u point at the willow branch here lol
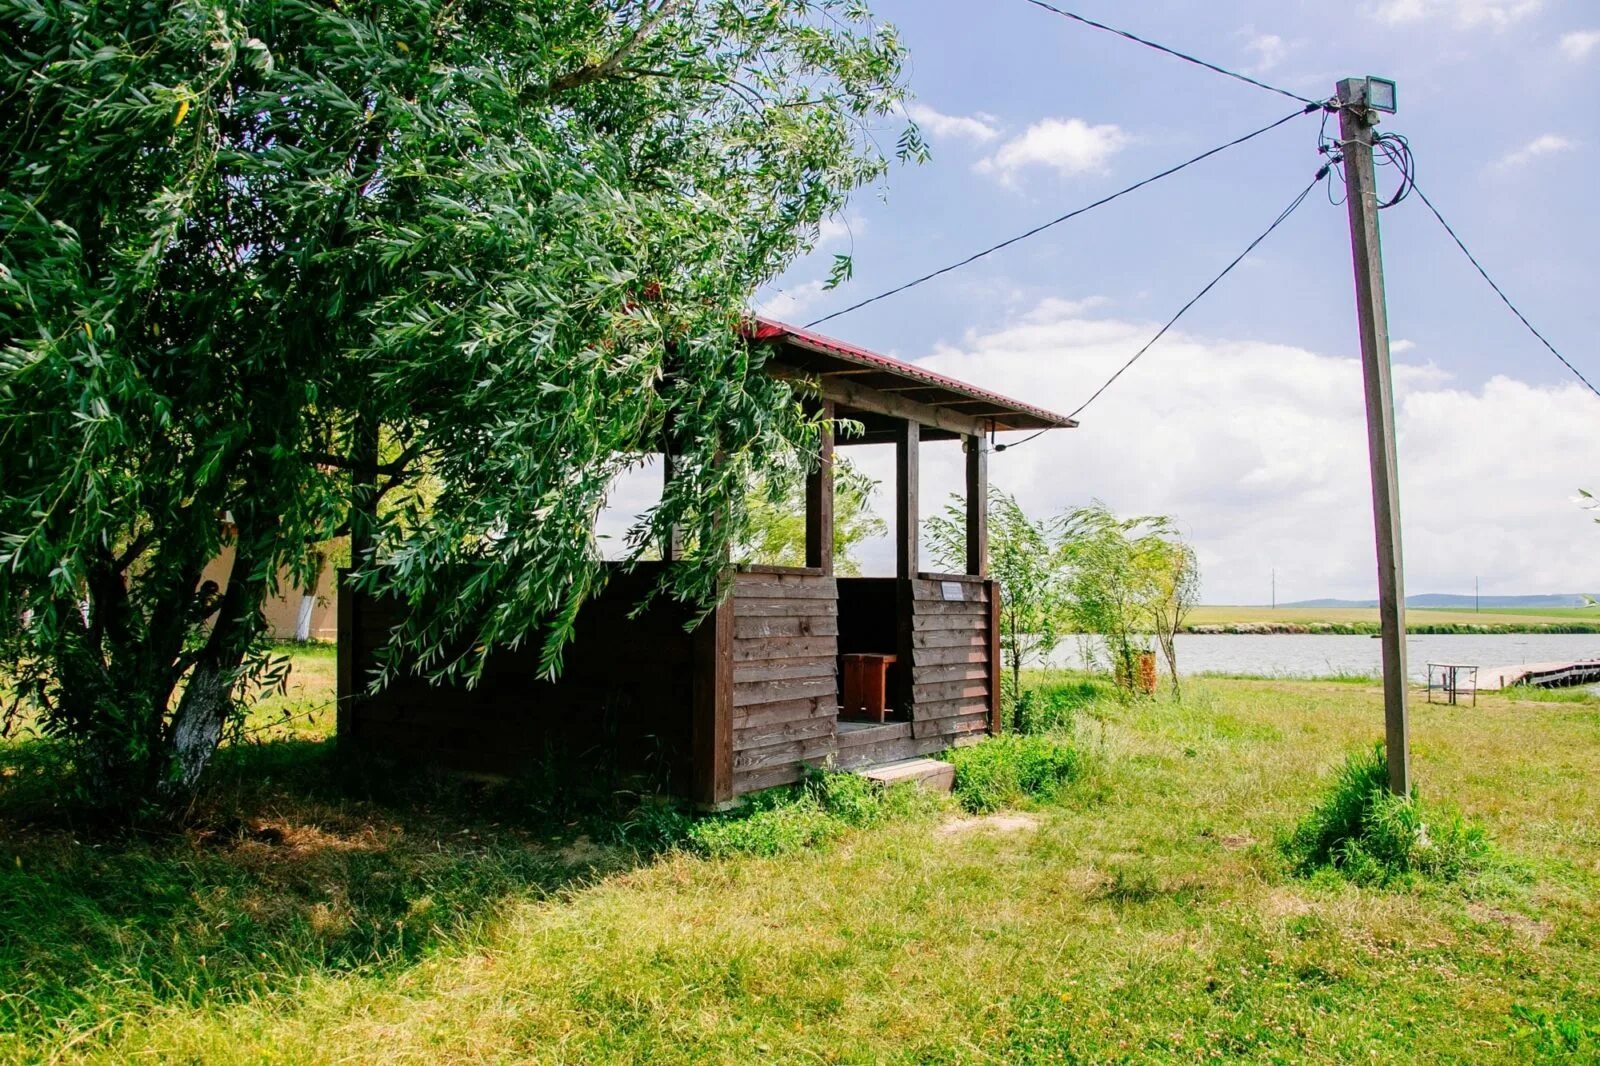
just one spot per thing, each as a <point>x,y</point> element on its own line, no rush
<point>611,64</point>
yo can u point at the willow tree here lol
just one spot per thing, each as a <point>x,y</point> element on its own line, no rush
<point>264,263</point>
<point>1130,579</point>
<point>776,531</point>
<point>1027,559</point>
<point>1174,586</point>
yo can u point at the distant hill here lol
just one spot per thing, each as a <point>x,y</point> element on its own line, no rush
<point>1440,599</point>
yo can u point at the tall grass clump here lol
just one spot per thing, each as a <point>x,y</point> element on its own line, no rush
<point>828,804</point>
<point>1374,837</point>
<point>1050,700</point>
<point>1552,1036</point>
<point>1012,771</point>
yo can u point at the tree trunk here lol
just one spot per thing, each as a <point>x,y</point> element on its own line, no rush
<point>196,728</point>
<point>1169,652</point>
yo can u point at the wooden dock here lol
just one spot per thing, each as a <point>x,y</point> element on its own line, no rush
<point>1539,675</point>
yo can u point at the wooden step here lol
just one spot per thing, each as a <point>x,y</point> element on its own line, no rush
<point>926,773</point>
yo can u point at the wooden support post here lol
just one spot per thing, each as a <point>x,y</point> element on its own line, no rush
<point>977,506</point>
<point>363,490</point>
<point>348,652</point>
<point>819,500</point>
<point>672,543</point>
<point>711,728</point>
<point>1356,140</point>
<point>907,467</point>
<point>363,522</point>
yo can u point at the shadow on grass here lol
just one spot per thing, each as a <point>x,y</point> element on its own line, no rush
<point>295,862</point>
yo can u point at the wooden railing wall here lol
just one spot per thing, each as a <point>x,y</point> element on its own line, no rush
<point>954,657</point>
<point>785,664</point>
<point>623,698</point>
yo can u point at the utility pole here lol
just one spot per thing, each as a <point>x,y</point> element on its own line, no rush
<point>1274,588</point>
<point>1356,119</point>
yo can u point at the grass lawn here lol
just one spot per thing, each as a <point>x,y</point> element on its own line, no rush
<point>1146,916</point>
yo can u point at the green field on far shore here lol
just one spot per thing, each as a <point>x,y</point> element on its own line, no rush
<point>1418,619</point>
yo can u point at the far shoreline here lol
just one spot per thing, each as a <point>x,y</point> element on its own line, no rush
<point>1369,629</point>
<point>1214,620</point>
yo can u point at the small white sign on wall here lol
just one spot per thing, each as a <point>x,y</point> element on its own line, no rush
<point>952,590</point>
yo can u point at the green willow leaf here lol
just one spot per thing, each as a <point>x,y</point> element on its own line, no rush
<point>519,238</point>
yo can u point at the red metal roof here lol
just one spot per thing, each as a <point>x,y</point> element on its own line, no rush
<point>939,391</point>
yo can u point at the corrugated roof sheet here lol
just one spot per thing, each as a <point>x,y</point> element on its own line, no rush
<point>959,392</point>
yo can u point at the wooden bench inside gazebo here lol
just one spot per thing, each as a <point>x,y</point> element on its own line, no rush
<point>754,694</point>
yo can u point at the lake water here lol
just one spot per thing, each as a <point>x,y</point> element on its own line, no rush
<point>1315,654</point>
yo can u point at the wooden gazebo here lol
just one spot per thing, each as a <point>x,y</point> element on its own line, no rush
<point>752,696</point>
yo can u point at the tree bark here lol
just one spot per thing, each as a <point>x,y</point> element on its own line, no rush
<point>196,729</point>
<point>1169,652</point>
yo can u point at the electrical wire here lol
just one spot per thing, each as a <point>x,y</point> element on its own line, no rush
<point>1499,291</point>
<point>1035,231</point>
<point>1282,217</point>
<point>1186,57</point>
<point>1338,193</point>
<point>1391,149</point>
<point>1388,150</point>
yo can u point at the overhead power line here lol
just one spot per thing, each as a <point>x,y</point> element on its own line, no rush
<point>1499,291</point>
<point>1283,216</point>
<point>1162,332</point>
<point>1186,57</point>
<point>1085,209</point>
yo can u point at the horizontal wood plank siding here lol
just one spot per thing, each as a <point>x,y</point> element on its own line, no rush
<point>621,706</point>
<point>952,668</point>
<point>785,684</point>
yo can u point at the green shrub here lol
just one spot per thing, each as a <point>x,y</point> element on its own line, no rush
<point>1374,837</point>
<point>1338,817</point>
<point>652,827</point>
<point>771,831</point>
<point>828,804</point>
<point>1012,770</point>
<point>850,798</point>
<point>1050,700</point>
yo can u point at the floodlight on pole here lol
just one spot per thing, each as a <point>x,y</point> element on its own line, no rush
<point>1382,95</point>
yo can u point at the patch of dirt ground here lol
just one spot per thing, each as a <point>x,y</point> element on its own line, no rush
<point>1005,822</point>
<point>1532,928</point>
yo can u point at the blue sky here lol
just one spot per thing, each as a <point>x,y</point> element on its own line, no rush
<point>1247,423</point>
<point>1480,81</point>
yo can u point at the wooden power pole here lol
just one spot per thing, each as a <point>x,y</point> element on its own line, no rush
<point>1356,120</point>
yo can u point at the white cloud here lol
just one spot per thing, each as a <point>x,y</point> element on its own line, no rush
<point>835,229</point>
<point>978,127</point>
<point>1545,144</point>
<point>1579,43</point>
<point>1070,146</point>
<point>1055,308</point>
<point>1400,347</point>
<point>1260,452</point>
<point>1269,50</point>
<point>788,303</point>
<point>1466,14</point>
